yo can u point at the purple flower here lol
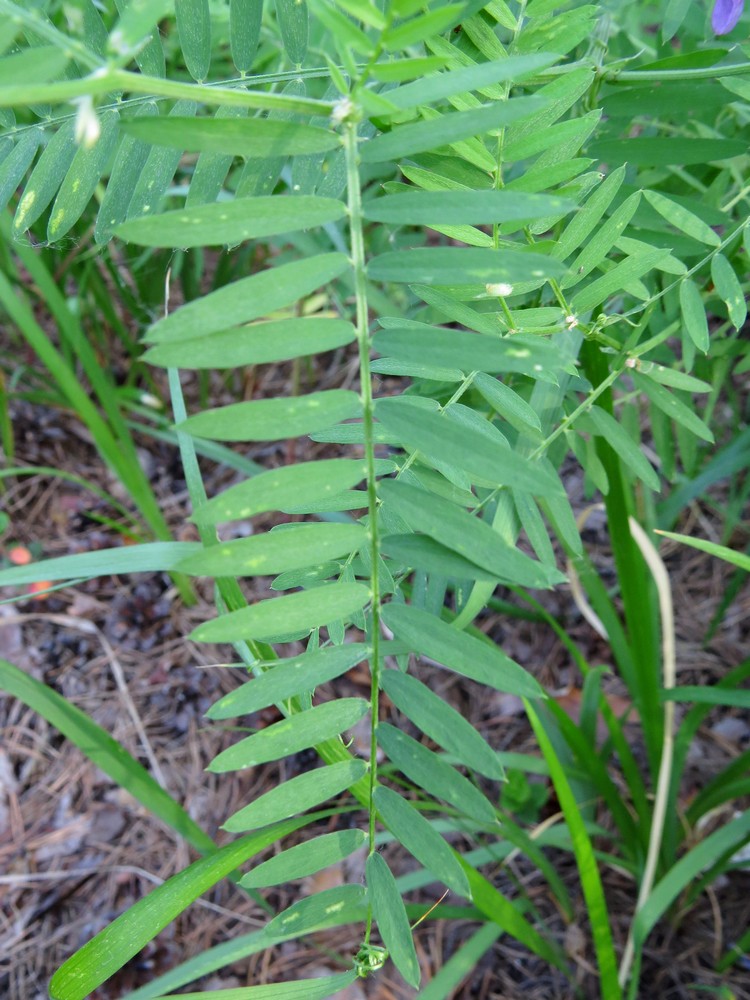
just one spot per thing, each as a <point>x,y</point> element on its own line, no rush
<point>726,14</point>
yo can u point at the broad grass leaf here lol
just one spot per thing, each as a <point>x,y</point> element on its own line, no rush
<point>431,773</point>
<point>105,752</point>
<point>282,616</point>
<point>441,722</point>
<point>390,914</point>
<point>245,18</point>
<point>729,289</point>
<point>194,28</point>
<point>145,558</point>
<point>231,222</point>
<point>297,795</point>
<point>712,695</point>
<point>290,735</point>
<point>249,137</point>
<point>679,217</point>
<point>406,140</point>
<point>305,859</point>
<point>480,661</point>
<point>79,184</point>
<point>316,988</point>
<point>274,419</point>
<point>427,208</point>
<point>280,488</point>
<point>694,314</point>
<point>344,904</point>
<point>462,265</point>
<point>249,298</point>
<point>628,450</point>
<point>436,435</point>
<point>293,19</point>
<point>420,838</point>
<point>467,79</point>
<point>653,151</point>
<point>673,407</point>
<point>258,344</point>
<point>101,957</point>
<point>46,177</point>
<point>285,679</point>
<point>470,351</point>
<point>288,547</point>
<point>508,404</point>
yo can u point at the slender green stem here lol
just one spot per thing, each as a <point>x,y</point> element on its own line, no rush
<point>363,340</point>
<point>670,75</point>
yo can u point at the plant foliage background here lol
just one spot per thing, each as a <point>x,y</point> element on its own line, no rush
<point>529,220</point>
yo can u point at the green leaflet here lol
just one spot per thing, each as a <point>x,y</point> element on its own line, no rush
<point>630,453</point>
<point>89,163</point>
<point>438,436</point>
<point>129,163</point>
<point>248,137</point>
<point>583,224</point>
<point>293,21</point>
<point>406,140</point>
<point>194,28</point>
<point>249,298</point>
<point>467,79</point>
<point>305,859</point>
<point>35,65</point>
<point>46,178</point>
<point>647,151</point>
<point>138,18</point>
<point>603,242</point>
<point>441,723</point>
<point>144,558</point>
<point>231,222</point>
<point>508,404</point>
<point>622,274</point>
<point>283,616</point>
<point>673,407</point>
<point>287,678</point>
<point>274,419</point>
<point>293,546</point>
<point>470,351</point>
<point>420,838</point>
<point>455,265</point>
<point>729,289</point>
<point>694,314</point>
<point>418,29</point>
<point>161,163</point>
<point>99,958</point>
<point>298,732</point>
<point>679,217</point>
<point>316,988</point>
<point>480,661</point>
<point>297,795</point>
<point>13,168</point>
<point>211,170</point>
<point>671,377</point>
<point>344,904</point>
<point>426,208</point>
<point>261,343</point>
<point>430,772</point>
<point>279,488</point>
<point>393,924</point>
<point>423,552</point>
<point>245,18</point>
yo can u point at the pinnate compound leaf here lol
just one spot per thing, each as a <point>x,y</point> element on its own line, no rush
<point>278,488</point>
<point>249,298</point>
<point>390,913</point>
<point>290,735</point>
<point>289,547</point>
<point>694,314</point>
<point>231,222</point>
<point>286,678</point>
<point>297,795</point>
<point>274,419</point>
<point>480,661</point>
<point>305,859</point>
<point>431,773</point>
<point>254,137</point>
<point>441,722</point>
<point>259,343</point>
<point>424,136</point>
<point>462,265</point>
<point>283,616</point>
<point>101,957</point>
<point>420,838</point>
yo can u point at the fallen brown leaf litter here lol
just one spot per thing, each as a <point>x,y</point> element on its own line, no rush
<point>76,851</point>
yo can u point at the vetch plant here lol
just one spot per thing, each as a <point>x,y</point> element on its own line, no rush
<point>442,177</point>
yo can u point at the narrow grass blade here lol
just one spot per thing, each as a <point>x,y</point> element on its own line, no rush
<point>732,556</point>
<point>461,964</point>
<point>317,988</point>
<point>146,558</point>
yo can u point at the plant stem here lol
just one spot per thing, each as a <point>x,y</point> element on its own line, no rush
<point>363,340</point>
